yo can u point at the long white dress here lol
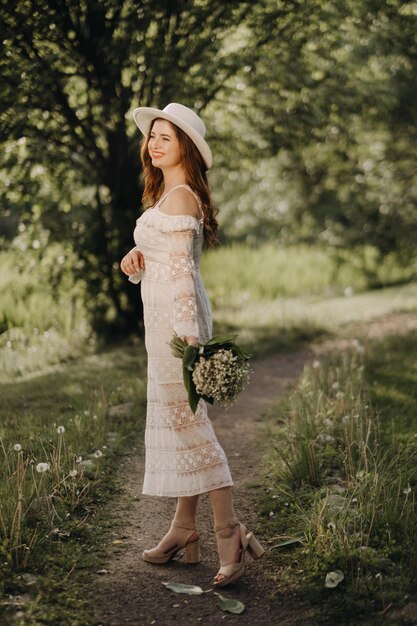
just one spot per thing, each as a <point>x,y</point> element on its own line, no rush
<point>183,456</point>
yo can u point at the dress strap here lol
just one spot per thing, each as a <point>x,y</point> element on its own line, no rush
<point>190,190</point>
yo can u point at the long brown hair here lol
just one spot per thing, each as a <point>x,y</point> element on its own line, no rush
<point>195,177</point>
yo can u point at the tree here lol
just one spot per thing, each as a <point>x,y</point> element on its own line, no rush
<point>327,105</point>
<point>71,73</point>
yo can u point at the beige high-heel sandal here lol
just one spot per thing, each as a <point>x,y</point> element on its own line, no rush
<point>191,545</point>
<point>248,541</point>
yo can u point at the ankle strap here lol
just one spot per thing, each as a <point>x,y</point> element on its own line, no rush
<point>183,527</point>
<point>231,524</point>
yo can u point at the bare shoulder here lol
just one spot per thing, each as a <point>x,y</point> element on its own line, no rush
<point>181,202</point>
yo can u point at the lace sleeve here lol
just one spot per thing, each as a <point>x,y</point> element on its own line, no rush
<point>182,271</point>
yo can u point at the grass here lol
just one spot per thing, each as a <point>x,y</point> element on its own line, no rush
<point>239,273</point>
<point>342,481</point>
<point>42,315</point>
<point>51,378</point>
<point>76,422</point>
<point>279,298</point>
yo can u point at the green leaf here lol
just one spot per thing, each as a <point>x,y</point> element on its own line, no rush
<point>241,353</point>
<point>220,339</point>
<point>191,590</point>
<point>190,355</point>
<point>230,605</point>
<point>177,346</point>
<point>334,578</point>
<point>284,544</point>
<point>193,396</point>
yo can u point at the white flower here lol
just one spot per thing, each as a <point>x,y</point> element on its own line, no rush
<point>407,490</point>
<point>335,385</point>
<point>97,454</point>
<point>60,430</point>
<point>73,473</point>
<point>271,514</point>
<point>221,376</point>
<point>17,447</point>
<point>78,459</point>
<point>316,365</point>
<point>42,467</point>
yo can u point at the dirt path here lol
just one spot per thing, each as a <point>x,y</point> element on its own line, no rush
<point>132,591</point>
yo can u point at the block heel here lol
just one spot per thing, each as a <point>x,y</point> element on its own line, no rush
<point>192,552</point>
<point>254,547</point>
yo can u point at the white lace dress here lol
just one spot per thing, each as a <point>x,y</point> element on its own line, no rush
<point>183,456</point>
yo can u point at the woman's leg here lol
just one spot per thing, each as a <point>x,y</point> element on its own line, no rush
<point>185,513</point>
<point>228,539</point>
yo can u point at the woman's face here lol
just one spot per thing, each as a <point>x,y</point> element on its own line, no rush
<point>163,145</point>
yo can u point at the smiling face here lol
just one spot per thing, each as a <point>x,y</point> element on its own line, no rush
<point>163,145</point>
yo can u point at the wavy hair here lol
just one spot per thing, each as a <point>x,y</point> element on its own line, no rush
<point>195,177</point>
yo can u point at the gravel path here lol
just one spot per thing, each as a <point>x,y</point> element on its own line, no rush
<point>132,591</point>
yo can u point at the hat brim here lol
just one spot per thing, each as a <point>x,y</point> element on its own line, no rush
<point>143,117</point>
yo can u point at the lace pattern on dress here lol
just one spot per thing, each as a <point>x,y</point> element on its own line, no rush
<point>182,268</point>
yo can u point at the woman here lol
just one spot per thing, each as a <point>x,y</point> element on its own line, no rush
<point>183,456</point>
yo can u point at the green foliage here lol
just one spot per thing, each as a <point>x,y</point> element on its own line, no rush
<point>72,74</point>
<point>338,485</point>
<point>63,419</point>
<point>328,104</point>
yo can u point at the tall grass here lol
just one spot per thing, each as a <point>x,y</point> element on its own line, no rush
<point>271,271</point>
<point>42,313</point>
<point>60,434</point>
<point>348,499</point>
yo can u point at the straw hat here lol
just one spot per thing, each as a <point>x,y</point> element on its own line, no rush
<point>181,116</point>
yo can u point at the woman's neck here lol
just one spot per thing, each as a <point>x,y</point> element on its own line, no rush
<point>173,176</point>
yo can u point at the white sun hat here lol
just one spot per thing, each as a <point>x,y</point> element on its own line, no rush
<point>181,116</point>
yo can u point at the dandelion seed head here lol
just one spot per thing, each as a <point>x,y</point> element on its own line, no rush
<point>73,473</point>
<point>316,365</point>
<point>60,430</point>
<point>42,467</point>
<point>17,447</point>
<point>97,454</point>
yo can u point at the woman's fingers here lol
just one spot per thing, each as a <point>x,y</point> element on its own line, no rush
<point>132,262</point>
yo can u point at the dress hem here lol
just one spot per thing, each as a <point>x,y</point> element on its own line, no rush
<point>189,493</point>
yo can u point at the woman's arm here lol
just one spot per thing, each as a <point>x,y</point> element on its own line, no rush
<point>182,273</point>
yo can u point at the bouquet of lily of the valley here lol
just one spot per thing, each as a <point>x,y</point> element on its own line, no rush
<point>215,370</point>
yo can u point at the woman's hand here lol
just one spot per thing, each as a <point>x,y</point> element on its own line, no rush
<point>132,262</point>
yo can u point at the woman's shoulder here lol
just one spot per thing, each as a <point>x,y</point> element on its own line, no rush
<point>181,201</point>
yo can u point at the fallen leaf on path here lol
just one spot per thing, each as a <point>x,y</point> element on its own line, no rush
<point>117,542</point>
<point>230,605</point>
<point>334,578</point>
<point>284,544</point>
<point>191,590</point>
